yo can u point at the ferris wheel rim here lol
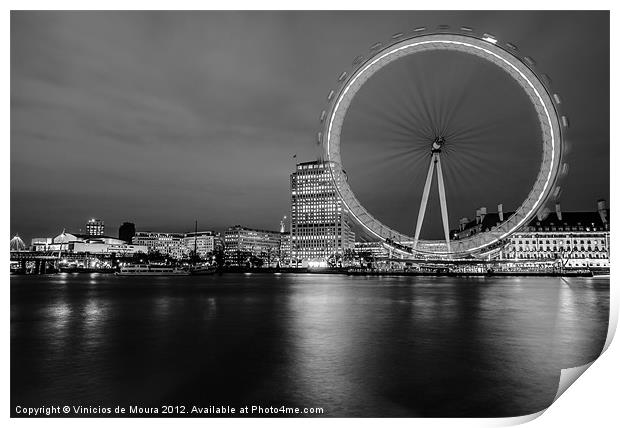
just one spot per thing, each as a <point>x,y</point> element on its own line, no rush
<point>517,68</point>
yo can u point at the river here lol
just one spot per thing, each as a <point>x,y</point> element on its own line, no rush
<point>353,346</point>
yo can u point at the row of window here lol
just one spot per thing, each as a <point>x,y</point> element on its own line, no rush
<point>512,255</point>
<point>565,229</point>
<point>560,249</point>
<point>539,241</point>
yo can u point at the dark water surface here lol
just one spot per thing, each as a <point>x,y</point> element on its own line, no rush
<point>356,346</point>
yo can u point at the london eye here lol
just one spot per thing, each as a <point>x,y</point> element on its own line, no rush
<point>442,140</point>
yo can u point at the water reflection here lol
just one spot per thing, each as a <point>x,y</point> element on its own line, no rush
<point>59,313</point>
<point>389,346</point>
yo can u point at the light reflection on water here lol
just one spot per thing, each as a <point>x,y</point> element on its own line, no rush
<point>376,346</point>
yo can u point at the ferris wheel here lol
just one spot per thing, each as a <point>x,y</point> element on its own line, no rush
<point>551,125</point>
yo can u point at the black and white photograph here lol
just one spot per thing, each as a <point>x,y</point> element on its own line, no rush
<point>306,213</point>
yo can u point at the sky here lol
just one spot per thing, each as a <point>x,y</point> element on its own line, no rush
<point>161,118</point>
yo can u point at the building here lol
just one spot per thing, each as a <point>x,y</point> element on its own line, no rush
<point>126,232</point>
<point>577,239</point>
<point>285,248</point>
<point>82,243</point>
<point>320,225</point>
<point>169,244</point>
<point>120,249</point>
<point>251,247</point>
<point>483,221</point>
<point>371,249</point>
<point>204,242</point>
<point>40,244</point>
<point>95,227</point>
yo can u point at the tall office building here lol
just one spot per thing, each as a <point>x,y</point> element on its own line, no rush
<point>126,232</point>
<point>94,227</point>
<point>320,225</point>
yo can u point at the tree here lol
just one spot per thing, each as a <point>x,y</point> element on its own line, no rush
<point>349,256</point>
<point>139,257</point>
<point>253,261</point>
<point>335,260</point>
<point>156,257</point>
<point>219,257</point>
<point>365,258</point>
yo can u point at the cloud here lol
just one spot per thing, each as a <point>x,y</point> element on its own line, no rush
<point>161,116</point>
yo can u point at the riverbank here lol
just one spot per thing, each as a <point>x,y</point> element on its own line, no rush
<point>438,272</point>
<point>366,272</point>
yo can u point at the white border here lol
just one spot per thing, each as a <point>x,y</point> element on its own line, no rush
<point>591,402</point>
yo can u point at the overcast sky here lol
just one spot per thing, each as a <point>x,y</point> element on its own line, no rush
<point>161,118</point>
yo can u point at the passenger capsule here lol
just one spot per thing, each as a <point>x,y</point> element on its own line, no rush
<point>556,192</point>
<point>556,98</point>
<point>443,27</point>
<point>376,46</point>
<point>564,169</point>
<point>419,29</point>
<point>397,36</point>
<point>529,61</point>
<point>342,76</point>
<point>358,59</point>
<point>468,29</point>
<point>489,38</point>
<point>542,214</point>
<point>319,138</point>
<point>565,121</point>
<point>323,114</point>
<point>330,95</point>
<point>512,46</point>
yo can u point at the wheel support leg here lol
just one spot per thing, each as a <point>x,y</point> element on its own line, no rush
<point>442,202</point>
<point>422,211</point>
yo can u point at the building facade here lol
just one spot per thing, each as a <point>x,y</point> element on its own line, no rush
<point>81,243</point>
<point>41,244</point>
<point>244,246</point>
<point>95,227</point>
<point>372,249</point>
<point>285,249</point>
<point>575,239</point>
<point>120,250</point>
<point>320,226</point>
<point>204,243</point>
<point>170,244</point>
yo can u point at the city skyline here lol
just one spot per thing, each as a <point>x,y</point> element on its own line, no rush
<point>114,230</point>
<point>147,132</point>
